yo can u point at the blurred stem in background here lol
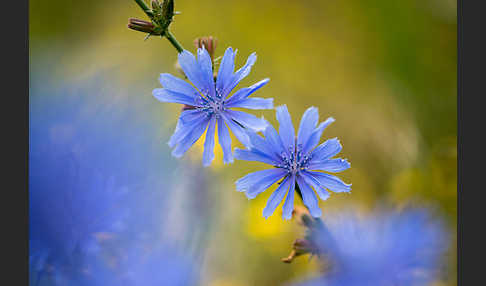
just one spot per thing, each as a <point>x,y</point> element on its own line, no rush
<point>161,16</point>
<point>314,226</point>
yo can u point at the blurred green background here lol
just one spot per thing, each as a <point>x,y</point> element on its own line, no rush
<point>385,70</point>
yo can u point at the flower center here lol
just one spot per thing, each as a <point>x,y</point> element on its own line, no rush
<point>216,106</point>
<point>293,161</point>
<point>213,106</point>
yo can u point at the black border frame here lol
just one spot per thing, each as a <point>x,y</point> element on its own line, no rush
<point>15,210</point>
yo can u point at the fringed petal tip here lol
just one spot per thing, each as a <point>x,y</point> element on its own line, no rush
<point>202,49</point>
<point>176,154</point>
<point>250,196</point>
<point>170,144</point>
<point>286,216</point>
<point>252,58</point>
<point>330,119</point>
<point>264,81</point>
<point>206,163</point>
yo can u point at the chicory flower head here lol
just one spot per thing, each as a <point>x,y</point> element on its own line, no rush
<point>296,160</point>
<point>383,248</point>
<point>207,103</point>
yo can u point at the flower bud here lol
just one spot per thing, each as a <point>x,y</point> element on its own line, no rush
<point>141,25</point>
<point>156,5</point>
<point>209,44</point>
<point>168,11</point>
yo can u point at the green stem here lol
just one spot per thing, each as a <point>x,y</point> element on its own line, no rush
<point>173,41</point>
<point>144,6</point>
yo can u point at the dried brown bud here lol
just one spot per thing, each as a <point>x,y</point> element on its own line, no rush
<point>300,247</point>
<point>209,44</point>
<point>291,257</point>
<point>304,246</point>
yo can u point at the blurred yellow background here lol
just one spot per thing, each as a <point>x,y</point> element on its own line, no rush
<point>385,70</point>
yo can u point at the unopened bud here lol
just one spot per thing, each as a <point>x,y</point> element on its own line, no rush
<point>156,5</point>
<point>161,15</point>
<point>141,25</point>
<point>168,11</point>
<point>209,43</point>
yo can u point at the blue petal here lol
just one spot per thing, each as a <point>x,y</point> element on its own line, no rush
<point>326,150</point>
<point>188,116</point>
<point>206,66</point>
<point>253,103</point>
<point>254,155</point>
<point>178,85</point>
<point>239,132</point>
<point>276,197</point>
<point>248,120</point>
<point>316,135</point>
<point>186,123</point>
<point>273,139</point>
<point>248,181</point>
<point>288,206</point>
<point>330,182</point>
<point>262,145</point>
<point>208,154</point>
<point>240,74</point>
<point>190,138</point>
<point>320,190</point>
<point>309,197</point>
<point>330,165</point>
<point>225,73</point>
<point>192,70</point>
<point>166,95</point>
<point>244,93</point>
<point>224,141</point>
<point>286,128</point>
<point>264,183</point>
<point>307,125</point>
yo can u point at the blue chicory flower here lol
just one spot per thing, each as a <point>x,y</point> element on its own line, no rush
<point>296,160</point>
<point>208,105</point>
<point>382,248</point>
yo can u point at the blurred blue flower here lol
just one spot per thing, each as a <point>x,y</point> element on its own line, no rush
<point>87,157</point>
<point>384,248</point>
<point>158,267</point>
<point>295,159</point>
<point>206,103</point>
<point>137,266</point>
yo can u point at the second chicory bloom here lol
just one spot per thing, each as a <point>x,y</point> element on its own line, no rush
<point>296,160</point>
<point>208,105</point>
